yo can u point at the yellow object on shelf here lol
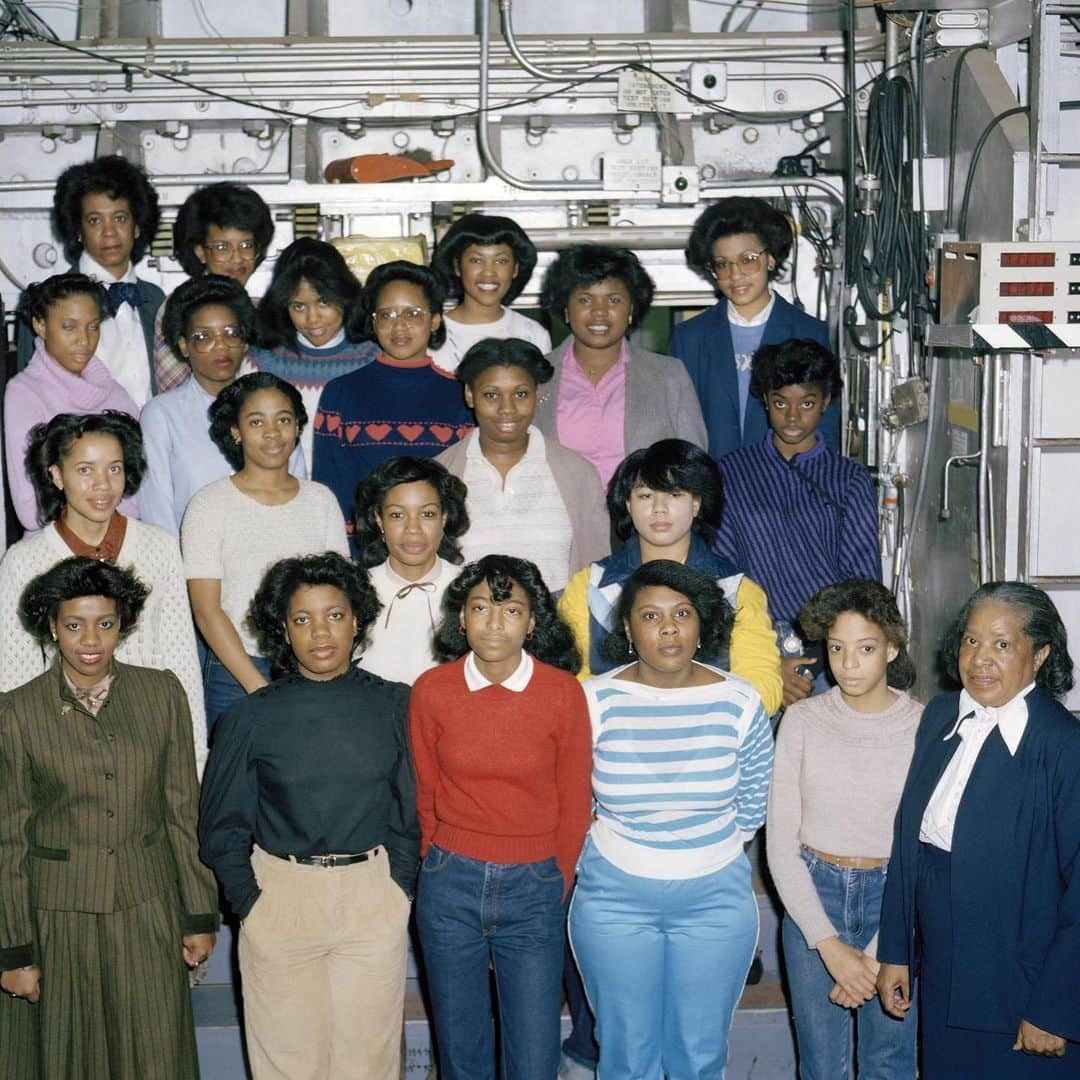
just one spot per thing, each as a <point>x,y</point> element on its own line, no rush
<point>364,253</point>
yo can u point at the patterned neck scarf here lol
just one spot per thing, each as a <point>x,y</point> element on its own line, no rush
<point>93,697</point>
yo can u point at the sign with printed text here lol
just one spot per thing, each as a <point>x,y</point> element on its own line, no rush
<point>639,91</point>
<point>632,171</point>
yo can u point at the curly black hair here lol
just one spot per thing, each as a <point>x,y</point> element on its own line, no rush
<point>729,217</point>
<point>198,292</point>
<point>72,578</point>
<point>324,268</point>
<point>115,177</point>
<point>504,352</point>
<point>371,494</point>
<point>414,274</point>
<point>39,296</point>
<point>715,615</point>
<point>877,605</point>
<point>587,264</point>
<point>49,443</point>
<point>1043,625</point>
<point>269,608</point>
<point>228,206</point>
<point>483,230</point>
<point>668,465</point>
<point>552,640</point>
<point>224,413</point>
<point>797,361</point>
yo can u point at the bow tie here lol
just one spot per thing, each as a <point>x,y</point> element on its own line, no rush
<point>423,586</point>
<point>980,716</point>
<point>124,292</point>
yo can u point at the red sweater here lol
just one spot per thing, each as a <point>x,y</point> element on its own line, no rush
<point>502,776</point>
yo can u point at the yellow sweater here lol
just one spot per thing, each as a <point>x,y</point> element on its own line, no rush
<point>754,655</point>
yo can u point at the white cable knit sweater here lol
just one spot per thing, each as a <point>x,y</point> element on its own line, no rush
<point>164,637</point>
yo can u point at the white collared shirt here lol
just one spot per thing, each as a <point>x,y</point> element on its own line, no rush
<point>755,320</point>
<point>974,724</point>
<point>122,347</point>
<point>523,515</point>
<point>476,680</point>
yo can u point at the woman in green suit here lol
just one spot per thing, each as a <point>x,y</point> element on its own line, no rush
<point>103,901</point>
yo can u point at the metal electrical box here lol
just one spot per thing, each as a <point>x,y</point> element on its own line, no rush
<point>1010,284</point>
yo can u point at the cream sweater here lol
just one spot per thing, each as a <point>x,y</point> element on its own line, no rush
<point>163,638</point>
<point>233,538</point>
<point>836,785</point>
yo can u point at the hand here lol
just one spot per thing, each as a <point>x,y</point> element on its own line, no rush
<point>839,996</point>
<point>852,969</point>
<point>1033,1040</point>
<point>795,686</point>
<point>24,983</point>
<point>894,989</point>
<point>197,948</point>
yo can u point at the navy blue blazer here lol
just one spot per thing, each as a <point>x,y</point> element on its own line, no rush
<point>1015,871</point>
<point>703,344</point>
<point>148,309</point>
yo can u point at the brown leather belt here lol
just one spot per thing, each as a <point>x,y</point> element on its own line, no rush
<point>848,862</point>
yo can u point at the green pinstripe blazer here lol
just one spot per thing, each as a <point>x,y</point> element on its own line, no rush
<point>97,814</point>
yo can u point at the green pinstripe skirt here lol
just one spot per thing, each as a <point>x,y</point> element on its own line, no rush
<point>115,1003</point>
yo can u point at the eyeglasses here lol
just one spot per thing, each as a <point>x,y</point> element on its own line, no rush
<point>748,262</point>
<point>388,316</point>
<point>204,340</point>
<point>223,247</point>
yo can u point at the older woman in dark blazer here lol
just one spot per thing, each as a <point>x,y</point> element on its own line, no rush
<point>982,897</point>
<point>103,900</point>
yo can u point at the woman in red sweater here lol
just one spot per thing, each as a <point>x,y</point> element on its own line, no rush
<point>502,749</point>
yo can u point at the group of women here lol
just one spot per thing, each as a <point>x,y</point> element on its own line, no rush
<point>388,655</point>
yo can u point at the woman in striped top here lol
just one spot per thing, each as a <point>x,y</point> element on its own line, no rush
<point>663,923</point>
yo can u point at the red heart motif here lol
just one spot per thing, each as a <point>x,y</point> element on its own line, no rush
<point>352,431</point>
<point>333,422</point>
<point>443,432</point>
<point>412,432</point>
<point>464,430</point>
<point>378,432</point>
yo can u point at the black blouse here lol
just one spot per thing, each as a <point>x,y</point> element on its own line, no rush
<point>302,768</point>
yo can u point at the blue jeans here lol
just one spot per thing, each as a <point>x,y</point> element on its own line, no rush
<point>664,964</point>
<point>472,914</point>
<point>220,689</point>
<point>886,1047</point>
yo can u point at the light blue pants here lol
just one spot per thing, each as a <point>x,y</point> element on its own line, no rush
<point>663,964</point>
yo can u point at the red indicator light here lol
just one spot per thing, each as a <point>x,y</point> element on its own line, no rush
<point>1026,288</point>
<point>1025,317</point>
<point>1028,258</point>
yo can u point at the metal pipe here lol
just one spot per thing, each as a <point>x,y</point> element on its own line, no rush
<point>924,469</point>
<point>506,10</point>
<point>984,489</point>
<point>959,461</point>
<point>579,50</point>
<point>642,237</point>
<point>773,183</point>
<point>892,44</point>
<point>482,141</point>
<point>162,180</point>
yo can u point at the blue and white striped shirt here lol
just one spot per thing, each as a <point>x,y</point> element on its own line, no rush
<point>680,776</point>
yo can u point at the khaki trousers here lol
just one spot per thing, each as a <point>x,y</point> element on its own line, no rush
<point>322,964</point>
